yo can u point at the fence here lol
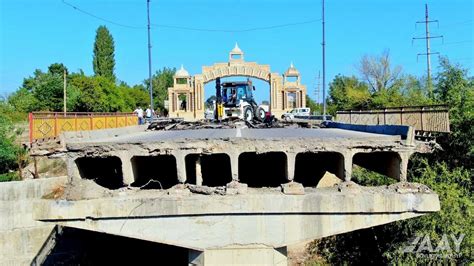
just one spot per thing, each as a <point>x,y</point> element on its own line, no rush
<point>46,125</point>
<point>434,118</point>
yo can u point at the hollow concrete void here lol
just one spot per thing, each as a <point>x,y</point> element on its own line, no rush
<point>263,169</point>
<point>105,171</point>
<point>82,247</point>
<point>208,169</point>
<point>385,163</point>
<point>310,167</point>
<point>154,172</point>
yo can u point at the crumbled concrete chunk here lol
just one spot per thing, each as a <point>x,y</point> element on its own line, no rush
<point>235,187</point>
<point>292,188</point>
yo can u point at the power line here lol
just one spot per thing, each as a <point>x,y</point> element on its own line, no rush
<point>191,28</point>
<point>428,53</point>
<point>100,18</point>
<point>236,30</point>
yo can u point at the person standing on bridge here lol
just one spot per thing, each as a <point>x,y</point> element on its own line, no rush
<point>139,112</point>
<point>149,114</point>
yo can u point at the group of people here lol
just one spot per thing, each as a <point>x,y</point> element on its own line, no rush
<point>144,116</point>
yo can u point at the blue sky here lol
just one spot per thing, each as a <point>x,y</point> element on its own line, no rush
<point>35,34</point>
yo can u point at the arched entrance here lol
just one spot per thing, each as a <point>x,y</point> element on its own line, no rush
<point>186,98</point>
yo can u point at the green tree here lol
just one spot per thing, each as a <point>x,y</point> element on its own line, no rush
<point>93,98</point>
<point>312,105</point>
<point>104,54</point>
<point>47,89</point>
<point>135,96</point>
<point>162,80</point>
<point>348,93</point>
<point>448,172</point>
<point>23,100</point>
<point>8,148</point>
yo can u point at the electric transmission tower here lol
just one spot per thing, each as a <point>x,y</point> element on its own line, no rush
<point>428,53</point>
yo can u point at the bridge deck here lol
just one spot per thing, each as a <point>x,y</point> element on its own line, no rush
<point>271,133</point>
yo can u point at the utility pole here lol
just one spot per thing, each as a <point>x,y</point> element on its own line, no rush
<point>317,88</point>
<point>428,51</point>
<point>324,66</point>
<point>64,91</point>
<point>149,57</point>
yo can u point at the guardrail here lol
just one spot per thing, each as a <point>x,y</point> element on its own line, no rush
<point>433,118</point>
<point>47,125</point>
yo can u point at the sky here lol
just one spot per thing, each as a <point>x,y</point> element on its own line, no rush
<point>35,34</point>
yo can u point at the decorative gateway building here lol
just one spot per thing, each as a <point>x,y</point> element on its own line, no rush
<point>186,97</point>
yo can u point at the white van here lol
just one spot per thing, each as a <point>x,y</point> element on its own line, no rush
<point>296,112</point>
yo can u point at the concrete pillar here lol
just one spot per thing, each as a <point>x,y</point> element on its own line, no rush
<point>241,255</point>
<point>72,170</point>
<point>180,165</point>
<point>290,165</point>
<point>198,172</point>
<point>347,173</point>
<point>234,165</point>
<point>404,158</point>
<point>127,169</point>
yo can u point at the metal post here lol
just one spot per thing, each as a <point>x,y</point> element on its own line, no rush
<point>324,66</point>
<point>149,56</point>
<point>64,92</point>
<point>428,62</point>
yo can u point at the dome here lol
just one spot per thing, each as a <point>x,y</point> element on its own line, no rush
<point>182,72</point>
<point>236,49</point>
<point>292,71</point>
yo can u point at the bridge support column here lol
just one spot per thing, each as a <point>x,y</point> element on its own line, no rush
<point>234,165</point>
<point>72,169</point>
<point>127,169</point>
<point>198,172</point>
<point>242,255</point>
<point>347,171</point>
<point>290,166</point>
<point>404,158</point>
<point>181,166</point>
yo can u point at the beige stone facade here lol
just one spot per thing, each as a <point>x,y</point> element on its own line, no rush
<point>186,97</point>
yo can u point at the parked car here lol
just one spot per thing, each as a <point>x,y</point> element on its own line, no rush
<point>296,112</point>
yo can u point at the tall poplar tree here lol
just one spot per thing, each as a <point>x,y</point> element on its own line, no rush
<point>104,53</point>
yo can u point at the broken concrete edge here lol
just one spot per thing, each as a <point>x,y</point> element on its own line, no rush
<point>406,132</point>
<point>150,205</point>
<point>67,136</point>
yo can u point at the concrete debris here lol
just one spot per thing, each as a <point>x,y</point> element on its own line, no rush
<point>85,189</point>
<point>328,180</point>
<point>179,190</point>
<point>180,124</point>
<point>235,187</point>
<point>292,188</point>
<point>348,186</point>
<point>207,190</point>
<point>405,187</point>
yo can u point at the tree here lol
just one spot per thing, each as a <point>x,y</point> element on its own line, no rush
<point>162,80</point>
<point>378,72</point>
<point>312,105</point>
<point>47,89</point>
<point>348,93</point>
<point>104,54</point>
<point>448,172</point>
<point>456,89</point>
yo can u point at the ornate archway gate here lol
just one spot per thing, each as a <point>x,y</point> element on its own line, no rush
<point>186,97</point>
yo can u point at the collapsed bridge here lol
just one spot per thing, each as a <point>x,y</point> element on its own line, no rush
<point>231,196</point>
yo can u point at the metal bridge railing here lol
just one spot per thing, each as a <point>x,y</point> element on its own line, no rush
<point>433,118</point>
<point>46,125</point>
